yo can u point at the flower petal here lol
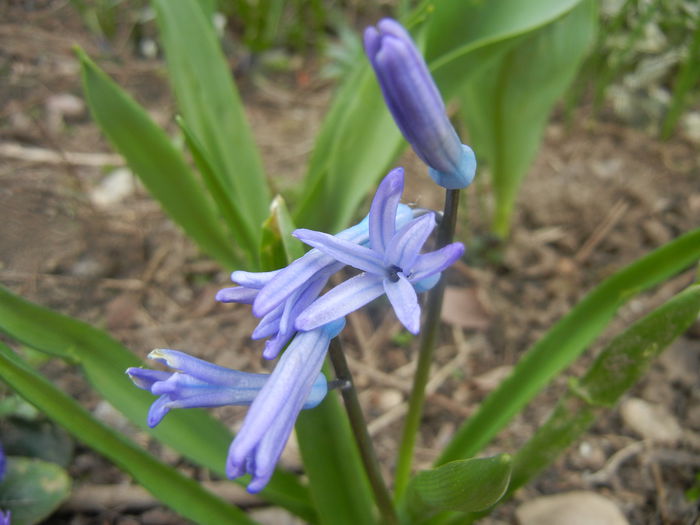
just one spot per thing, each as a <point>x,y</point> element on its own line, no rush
<point>404,300</point>
<point>408,241</point>
<point>431,263</point>
<point>144,378</point>
<point>237,294</point>
<point>199,368</point>
<point>382,212</point>
<point>340,301</point>
<point>343,251</point>
<point>253,279</point>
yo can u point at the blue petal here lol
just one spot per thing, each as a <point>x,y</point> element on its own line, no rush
<point>430,263</point>
<point>203,370</point>
<point>145,378</point>
<point>404,300</point>
<point>343,251</point>
<point>408,241</point>
<point>254,280</point>
<point>340,301</point>
<point>237,294</point>
<point>382,213</point>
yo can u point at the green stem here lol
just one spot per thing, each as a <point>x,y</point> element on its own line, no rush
<point>359,429</point>
<point>445,234</point>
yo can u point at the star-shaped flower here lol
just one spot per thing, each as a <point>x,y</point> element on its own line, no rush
<point>392,263</point>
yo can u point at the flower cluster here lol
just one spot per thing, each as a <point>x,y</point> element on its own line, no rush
<point>386,247</point>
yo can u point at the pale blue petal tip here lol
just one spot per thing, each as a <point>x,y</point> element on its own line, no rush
<point>462,177</point>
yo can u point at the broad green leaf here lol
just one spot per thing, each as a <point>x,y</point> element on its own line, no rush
<point>467,485</point>
<point>339,486</point>
<point>151,155</point>
<point>507,104</point>
<point>278,247</point>
<point>36,438</point>
<point>359,140</point>
<point>245,234</point>
<point>32,489</point>
<point>616,369</point>
<point>565,341</point>
<point>182,494</point>
<point>192,432</point>
<point>207,97</point>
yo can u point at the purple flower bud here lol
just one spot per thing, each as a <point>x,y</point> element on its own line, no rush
<point>416,104</point>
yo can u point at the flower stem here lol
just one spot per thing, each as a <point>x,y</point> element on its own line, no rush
<point>445,234</point>
<point>359,428</point>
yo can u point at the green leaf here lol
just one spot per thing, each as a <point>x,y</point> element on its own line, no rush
<point>182,494</point>
<point>32,489</point>
<point>467,485</point>
<point>565,341</point>
<point>617,368</point>
<point>155,160</point>
<point>207,97</point>
<point>192,432</point>
<point>278,247</point>
<point>36,438</point>
<point>359,139</point>
<point>339,486</point>
<point>507,104</point>
<point>242,230</point>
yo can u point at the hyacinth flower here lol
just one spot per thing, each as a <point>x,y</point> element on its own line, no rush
<point>271,417</point>
<point>416,105</point>
<point>392,264</point>
<point>279,296</point>
<point>278,324</point>
<point>198,383</point>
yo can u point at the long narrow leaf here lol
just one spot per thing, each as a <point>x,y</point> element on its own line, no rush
<point>616,369</point>
<point>338,484</point>
<point>242,230</point>
<point>155,160</point>
<point>507,105</point>
<point>566,340</point>
<point>182,494</point>
<point>192,432</point>
<point>209,101</point>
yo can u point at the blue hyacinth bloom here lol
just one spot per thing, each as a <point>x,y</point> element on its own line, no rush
<point>198,383</point>
<point>278,297</point>
<point>391,265</point>
<point>271,417</point>
<point>417,106</point>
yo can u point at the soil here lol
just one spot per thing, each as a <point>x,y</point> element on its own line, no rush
<point>600,195</point>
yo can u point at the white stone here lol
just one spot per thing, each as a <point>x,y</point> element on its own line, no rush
<point>571,508</point>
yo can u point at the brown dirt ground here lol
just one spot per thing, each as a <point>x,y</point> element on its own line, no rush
<point>599,196</point>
